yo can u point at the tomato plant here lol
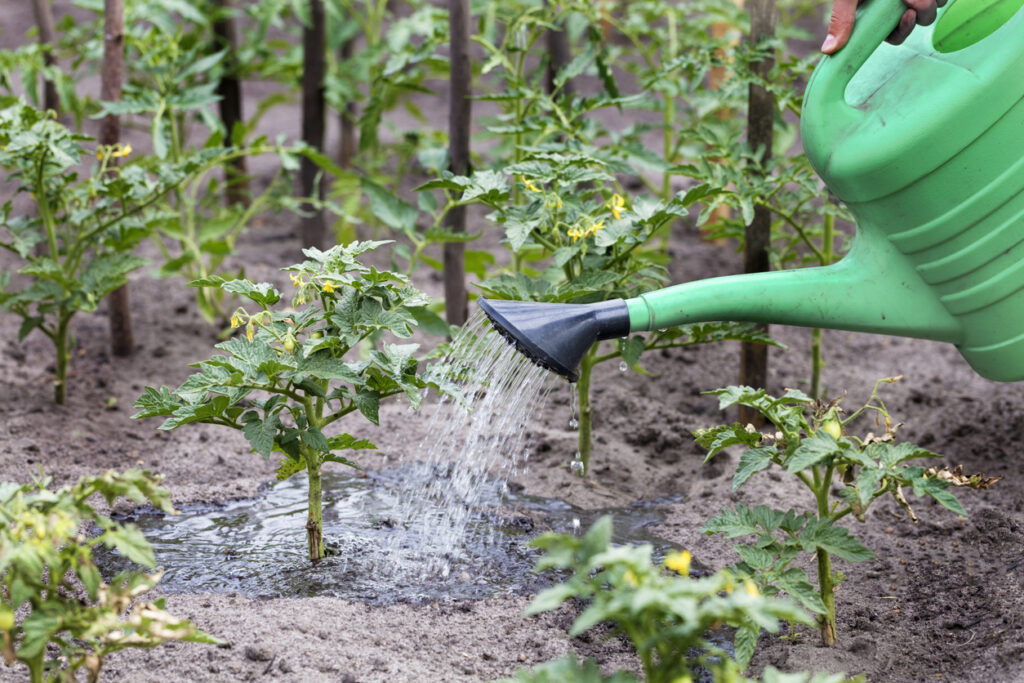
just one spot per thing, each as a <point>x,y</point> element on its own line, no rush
<point>51,592</point>
<point>664,612</point>
<point>295,372</point>
<point>812,443</point>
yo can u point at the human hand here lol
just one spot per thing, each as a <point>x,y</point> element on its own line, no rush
<point>918,13</point>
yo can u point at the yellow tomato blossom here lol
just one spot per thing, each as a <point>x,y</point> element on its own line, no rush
<point>630,578</point>
<point>296,280</point>
<point>328,287</point>
<point>235,322</point>
<point>528,184</point>
<point>617,204</point>
<point>751,588</point>
<point>679,562</point>
<point>576,233</point>
<point>122,151</point>
<point>250,330</point>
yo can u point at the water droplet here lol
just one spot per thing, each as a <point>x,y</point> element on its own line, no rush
<point>623,367</point>
<point>576,467</point>
<point>575,524</point>
<point>574,423</point>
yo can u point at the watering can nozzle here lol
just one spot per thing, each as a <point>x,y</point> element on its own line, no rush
<point>556,336</point>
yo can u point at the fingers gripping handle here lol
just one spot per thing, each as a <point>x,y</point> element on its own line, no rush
<point>876,19</point>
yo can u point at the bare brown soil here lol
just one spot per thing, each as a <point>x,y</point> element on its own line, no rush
<point>942,601</point>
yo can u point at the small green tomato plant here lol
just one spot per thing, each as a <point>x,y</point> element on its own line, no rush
<point>51,592</point>
<point>296,372</point>
<point>76,246</point>
<point>663,612</point>
<point>811,442</point>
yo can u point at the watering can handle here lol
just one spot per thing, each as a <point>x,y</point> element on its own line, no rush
<point>827,89</point>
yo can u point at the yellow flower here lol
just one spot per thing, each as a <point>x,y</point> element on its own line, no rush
<point>596,226</point>
<point>235,322</point>
<point>528,184</point>
<point>630,578</point>
<point>296,280</point>
<point>679,562</point>
<point>575,234</point>
<point>617,204</point>
<point>250,330</point>
<point>751,588</point>
<point>328,287</point>
<point>121,151</point>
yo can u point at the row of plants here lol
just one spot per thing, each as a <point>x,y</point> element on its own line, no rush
<point>560,184</point>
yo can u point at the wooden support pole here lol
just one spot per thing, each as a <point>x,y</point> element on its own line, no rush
<point>456,302</point>
<point>229,89</point>
<point>47,39</point>
<point>347,147</point>
<point>760,124</point>
<point>558,56</point>
<point>314,67</point>
<point>118,309</point>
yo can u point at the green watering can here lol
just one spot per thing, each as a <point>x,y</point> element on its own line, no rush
<point>924,142</point>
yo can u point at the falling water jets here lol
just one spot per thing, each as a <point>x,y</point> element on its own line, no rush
<point>474,439</point>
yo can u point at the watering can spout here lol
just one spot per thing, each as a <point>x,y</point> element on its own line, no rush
<point>868,291</point>
<point>871,290</point>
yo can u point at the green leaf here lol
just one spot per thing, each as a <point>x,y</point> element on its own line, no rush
<point>368,403</point>
<point>757,558</point>
<point>752,462</point>
<point>262,293</point>
<point>745,642</point>
<point>341,442</point>
<point>717,439</point>
<point>794,582</point>
<point>37,628</point>
<point>939,490</point>
<point>287,467</point>
<point>155,403</point>
<point>261,433</point>
<point>130,542</point>
<point>315,439</point>
<point>813,450</point>
<point>388,208</point>
<point>835,540</point>
<point>550,599</point>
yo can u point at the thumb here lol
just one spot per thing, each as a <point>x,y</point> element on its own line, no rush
<point>840,25</point>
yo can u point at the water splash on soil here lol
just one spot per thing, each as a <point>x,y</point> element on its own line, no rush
<point>255,547</point>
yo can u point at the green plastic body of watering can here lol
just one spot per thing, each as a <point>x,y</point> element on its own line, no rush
<point>924,143</point>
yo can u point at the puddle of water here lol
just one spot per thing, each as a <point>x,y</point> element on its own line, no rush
<point>256,547</point>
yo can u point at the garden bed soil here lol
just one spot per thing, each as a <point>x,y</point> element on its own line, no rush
<point>943,600</point>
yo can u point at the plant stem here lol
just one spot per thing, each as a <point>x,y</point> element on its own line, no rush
<point>60,340</point>
<point>586,414</point>
<point>826,585</point>
<point>315,518</point>
<point>817,364</point>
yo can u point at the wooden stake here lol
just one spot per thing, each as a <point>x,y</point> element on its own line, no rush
<point>760,123</point>
<point>314,66</point>
<point>47,39</point>
<point>456,302</point>
<point>716,78</point>
<point>118,309</point>
<point>347,148</point>
<point>229,88</point>
<point>558,56</point>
